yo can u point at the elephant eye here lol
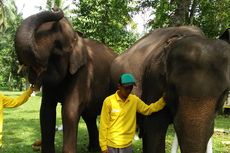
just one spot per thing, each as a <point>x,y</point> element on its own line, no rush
<point>58,44</point>
<point>57,48</point>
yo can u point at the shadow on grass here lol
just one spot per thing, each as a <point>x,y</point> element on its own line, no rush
<point>19,134</point>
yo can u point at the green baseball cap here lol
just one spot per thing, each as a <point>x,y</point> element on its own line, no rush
<point>127,79</point>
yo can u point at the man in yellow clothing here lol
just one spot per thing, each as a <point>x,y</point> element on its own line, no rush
<point>118,117</point>
<point>6,101</point>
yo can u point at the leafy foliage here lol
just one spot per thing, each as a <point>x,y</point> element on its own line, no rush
<point>8,14</point>
<point>212,16</point>
<point>8,61</point>
<point>66,8</point>
<point>105,21</point>
<point>108,20</point>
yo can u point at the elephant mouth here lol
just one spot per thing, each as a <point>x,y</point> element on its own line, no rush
<point>35,74</point>
<point>39,73</point>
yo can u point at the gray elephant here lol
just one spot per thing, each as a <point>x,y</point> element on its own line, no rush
<point>72,70</point>
<point>226,35</point>
<point>191,70</point>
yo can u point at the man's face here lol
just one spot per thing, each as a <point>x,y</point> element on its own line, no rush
<point>125,90</point>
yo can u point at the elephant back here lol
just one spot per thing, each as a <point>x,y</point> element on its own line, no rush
<point>147,50</point>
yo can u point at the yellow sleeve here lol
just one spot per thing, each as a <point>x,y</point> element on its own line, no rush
<point>16,101</point>
<point>153,107</point>
<point>104,124</point>
<point>158,105</point>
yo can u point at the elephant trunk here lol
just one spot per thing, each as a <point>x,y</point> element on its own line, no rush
<point>194,123</point>
<point>25,45</point>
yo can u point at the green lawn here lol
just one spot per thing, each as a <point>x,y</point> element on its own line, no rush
<point>21,129</point>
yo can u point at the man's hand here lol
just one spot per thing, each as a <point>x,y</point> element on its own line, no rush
<point>35,88</point>
<point>165,96</point>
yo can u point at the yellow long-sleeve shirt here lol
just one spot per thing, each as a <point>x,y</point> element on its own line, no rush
<point>6,101</point>
<point>118,119</point>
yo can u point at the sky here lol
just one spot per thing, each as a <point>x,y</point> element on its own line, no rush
<point>30,7</point>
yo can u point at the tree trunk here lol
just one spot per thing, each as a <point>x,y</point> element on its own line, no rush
<point>181,13</point>
<point>192,12</point>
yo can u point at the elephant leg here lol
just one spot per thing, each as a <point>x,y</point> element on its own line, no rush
<point>154,132</point>
<point>93,132</point>
<point>70,117</point>
<point>47,122</point>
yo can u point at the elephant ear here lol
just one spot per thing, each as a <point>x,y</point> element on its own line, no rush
<point>78,57</point>
<point>81,34</point>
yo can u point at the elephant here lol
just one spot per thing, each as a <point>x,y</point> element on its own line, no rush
<point>191,71</point>
<point>71,69</point>
<point>226,35</point>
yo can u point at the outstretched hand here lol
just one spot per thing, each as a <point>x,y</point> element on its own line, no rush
<point>35,88</point>
<point>164,95</point>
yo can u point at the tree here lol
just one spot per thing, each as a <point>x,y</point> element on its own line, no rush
<point>181,13</point>
<point>7,13</point>
<point>102,20</point>
<point>8,61</point>
<point>2,15</point>
<point>62,4</point>
<point>212,16</point>
<point>105,21</point>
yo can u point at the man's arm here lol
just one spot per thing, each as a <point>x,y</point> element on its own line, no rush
<point>17,101</point>
<point>153,107</point>
<point>158,105</point>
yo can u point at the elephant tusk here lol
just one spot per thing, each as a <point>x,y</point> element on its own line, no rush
<point>209,146</point>
<point>20,68</point>
<point>175,145</point>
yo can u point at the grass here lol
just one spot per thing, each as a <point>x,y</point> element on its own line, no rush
<point>21,129</point>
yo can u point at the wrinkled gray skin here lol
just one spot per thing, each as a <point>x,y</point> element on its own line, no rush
<point>72,70</point>
<point>192,70</point>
